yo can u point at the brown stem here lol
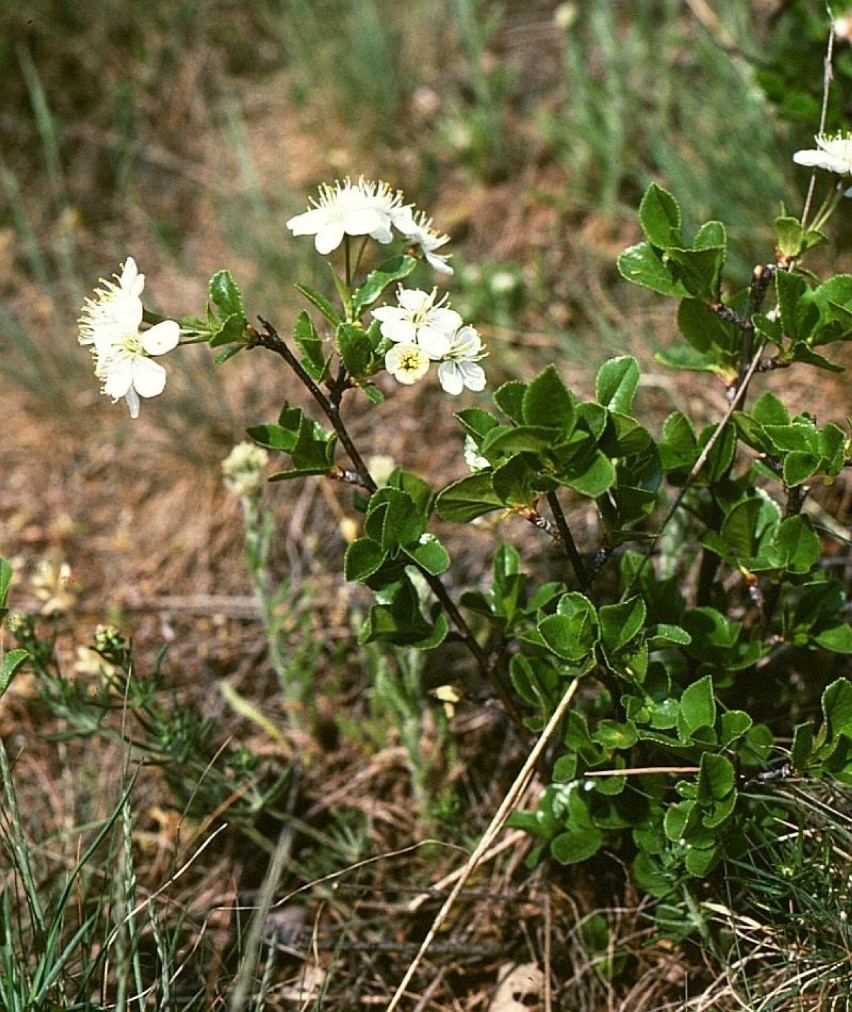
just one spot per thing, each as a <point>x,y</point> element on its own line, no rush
<point>270,340</point>
<point>567,540</point>
<point>330,406</point>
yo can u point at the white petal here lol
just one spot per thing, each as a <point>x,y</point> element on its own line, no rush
<point>149,377</point>
<point>132,400</point>
<point>473,375</point>
<point>450,378</point>
<point>308,222</point>
<point>388,313</point>
<point>381,234</point>
<point>118,375</point>
<point>808,157</point>
<point>131,280</point>
<point>447,320</point>
<point>436,343</point>
<point>439,263</point>
<point>329,237</point>
<point>364,221</point>
<point>161,338</point>
<point>413,299</point>
<point>400,331</point>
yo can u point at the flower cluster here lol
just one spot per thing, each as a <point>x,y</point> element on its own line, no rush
<point>242,469</point>
<point>368,208</point>
<point>110,323</point>
<point>425,331</point>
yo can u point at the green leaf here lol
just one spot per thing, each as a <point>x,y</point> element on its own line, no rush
<point>746,524</point>
<point>789,290</point>
<point>795,546</point>
<point>700,861</point>
<point>643,264</point>
<point>518,480</point>
<point>789,236</point>
<point>663,633</point>
<point>620,623</point>
<point>711,235</point>
<point>509,398</point>
<point>616,735</point>
<point>836,638</point>
<point>274,437</point>
<point>311,346</point>
<point>414,486</point>
<point>314,446</point>
<point>769,410</point>
<point>232,331</point>
<point>429,554</point>
<point>721,455</point>
<point>802,352</point>
<point>322,304</point>
<point>659,215</point>
<point>355,347</point>
<point>798,466</point>
<point>679,819</point>
<point>572,633</point>
<point>518,438</point>
<point>225,295</point>
<point>468,498</point>
<point>716,777</point>
<point>5,583</point>
<point>548,402</point>
<point>616,383</point>
<point>593,480</point>
<point>227,354</point>
<point>802,747</point>
<point>397,619</point>
<point>686,357</point>
<point>582,838</point>
<point>679,448</point>
<point>378,280</point>
<point>477,422</point>
<point>392,519</point>
<point>11,662</point>
<point>733,725</point>
<point>837,708</point>
<point>697,707</point>
<point>707,332</point>
<point>698,270</point>
<point>363,558</point>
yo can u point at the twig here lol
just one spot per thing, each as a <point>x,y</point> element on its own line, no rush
<point>739,394</point>
<point>567,540</point>
<point>826,88</point>
<point>269,338</point>
<point>511,840</point>
<point>514,793</point>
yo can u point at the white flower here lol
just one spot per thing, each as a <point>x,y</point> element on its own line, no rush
<point>407,363</point>
<point>418,320</point>
<point>421,233</point>
<point>389,204</point>
<point>346,208</point>
<point>834,154</point>
<point>459,368</point>
<point>124,365</point>
<point>112,304</point>
<point>110,322</point>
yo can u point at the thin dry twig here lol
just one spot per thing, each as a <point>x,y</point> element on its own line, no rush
<point>514,793</point>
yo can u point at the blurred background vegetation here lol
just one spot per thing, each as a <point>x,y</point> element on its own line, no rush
<point>185,133</point>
